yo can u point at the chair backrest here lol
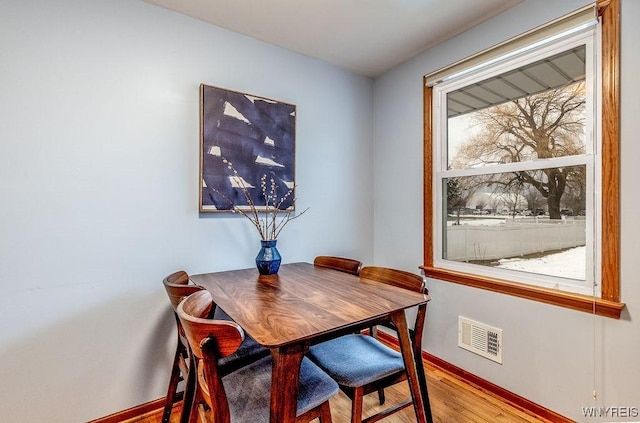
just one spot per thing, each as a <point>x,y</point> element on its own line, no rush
<point>342,264</point>
<point>194,313</point>
<point>406,280</point>
<point>210,340</point>
<point>395,277</point>
<point>177,287</point>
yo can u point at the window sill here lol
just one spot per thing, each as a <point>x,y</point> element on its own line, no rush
<point>579,302</point>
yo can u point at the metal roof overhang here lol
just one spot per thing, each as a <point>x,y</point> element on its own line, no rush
<point>552,72</point>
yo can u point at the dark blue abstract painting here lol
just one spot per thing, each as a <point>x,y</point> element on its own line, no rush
<point>257,136</point>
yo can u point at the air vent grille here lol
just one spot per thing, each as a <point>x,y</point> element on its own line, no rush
<point>479,338</point>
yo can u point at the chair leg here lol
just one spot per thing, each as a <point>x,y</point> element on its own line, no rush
<point>422,381</point>
<point>381,396</point>
<point>203,414</point>
<point>356,405</point>
<point>197,405</point>
<point>189,393</point>
<point>325,413</point>
<point>173,386</point>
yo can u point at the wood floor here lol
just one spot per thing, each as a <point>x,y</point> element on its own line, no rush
<point>452,401</point>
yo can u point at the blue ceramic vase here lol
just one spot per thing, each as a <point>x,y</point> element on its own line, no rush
<point>268,258</point>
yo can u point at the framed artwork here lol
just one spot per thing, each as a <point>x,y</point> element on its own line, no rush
<point>246,142</point>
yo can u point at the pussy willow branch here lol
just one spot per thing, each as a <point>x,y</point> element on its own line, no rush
<point>255,219</point>
<point>286,220</point>
<point>268,227</point>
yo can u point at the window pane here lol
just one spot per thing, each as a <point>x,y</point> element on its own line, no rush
<point>533,112</point>
<point>532,221</point>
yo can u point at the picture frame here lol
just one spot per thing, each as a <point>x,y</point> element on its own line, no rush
<point>249,137</point>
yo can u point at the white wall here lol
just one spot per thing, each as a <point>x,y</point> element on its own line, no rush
<point>548,350</point>
<point>99,138</point>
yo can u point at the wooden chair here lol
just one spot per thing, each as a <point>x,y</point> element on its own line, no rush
<point>244,395</point>
<point>342,264</point>
<point>361,364</point>
<point>178,287</point>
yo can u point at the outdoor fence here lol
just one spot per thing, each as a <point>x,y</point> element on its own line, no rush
<point>513,239</point>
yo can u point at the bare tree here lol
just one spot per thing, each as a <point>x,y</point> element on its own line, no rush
<point>534,198</point>
<point>512,191</point>
<point>540,126</point>
<point>459,192</point>
<point>575,197</point>
<point>494,202</point>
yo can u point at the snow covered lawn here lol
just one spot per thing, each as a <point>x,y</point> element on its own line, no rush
<point>566,264</point>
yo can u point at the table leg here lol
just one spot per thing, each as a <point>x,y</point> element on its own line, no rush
<point>422,377</point>
<point>400,322</point>
<point>285,377</point>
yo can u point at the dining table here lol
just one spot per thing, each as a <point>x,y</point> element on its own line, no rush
<point>303,305</point>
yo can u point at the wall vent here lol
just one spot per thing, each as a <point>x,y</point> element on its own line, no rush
<point>479,338</point>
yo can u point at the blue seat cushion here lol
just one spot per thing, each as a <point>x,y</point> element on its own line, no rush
<point>249,390</point>
<point>356,360</point>
<point>248,352</point>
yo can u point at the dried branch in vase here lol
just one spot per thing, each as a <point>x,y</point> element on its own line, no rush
<point>269,221</point>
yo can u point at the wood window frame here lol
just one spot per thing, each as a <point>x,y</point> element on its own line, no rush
<point>608,304</point>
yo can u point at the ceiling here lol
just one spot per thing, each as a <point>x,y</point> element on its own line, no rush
<point>368,37</point>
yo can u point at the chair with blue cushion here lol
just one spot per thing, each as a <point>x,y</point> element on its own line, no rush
<point>361,364</point>
<point>243,395</point>
<point>342,264</point>
<point>178,287</point>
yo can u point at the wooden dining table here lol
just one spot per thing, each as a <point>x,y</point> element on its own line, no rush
<point>303,305</point>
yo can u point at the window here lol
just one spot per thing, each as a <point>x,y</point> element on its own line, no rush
<point>515,141</point>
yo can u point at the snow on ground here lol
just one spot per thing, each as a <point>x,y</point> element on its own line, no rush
<point>474,221</point>
<point>567,264</point>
